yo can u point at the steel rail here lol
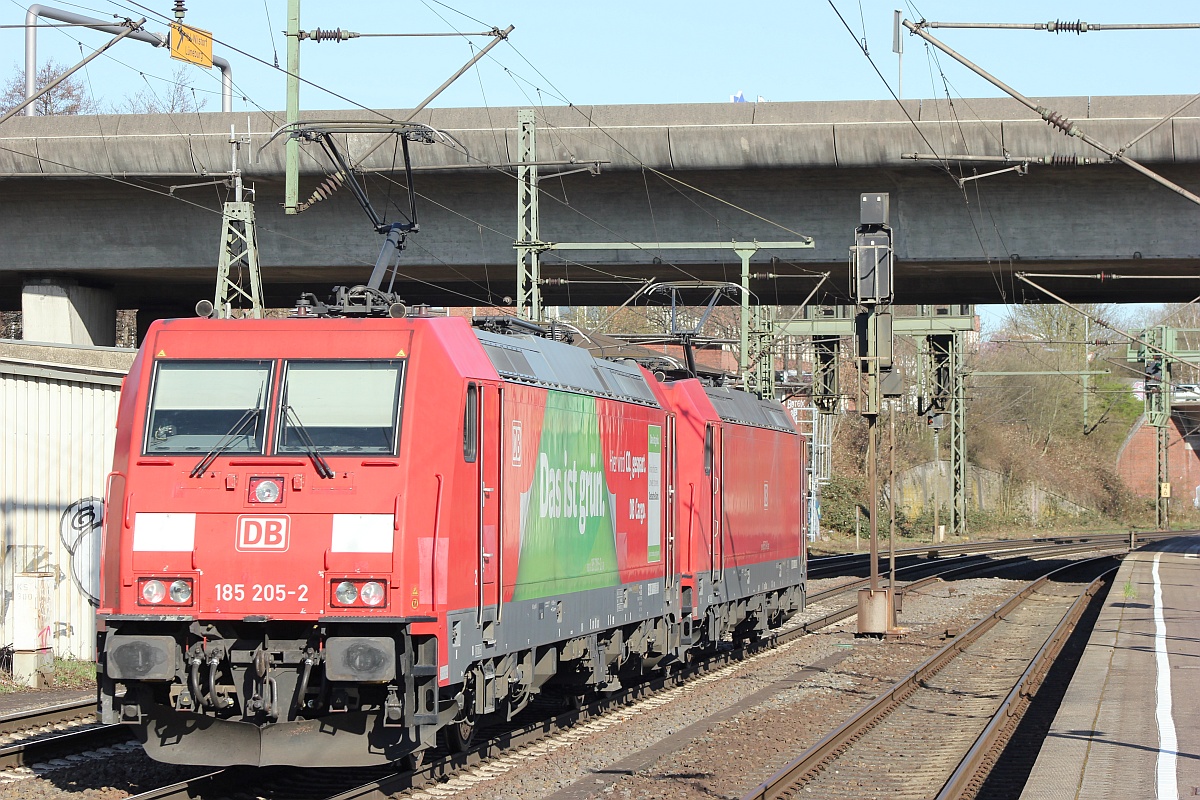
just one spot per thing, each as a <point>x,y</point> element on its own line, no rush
<point>189,789</point>
<point>35,751</point>
<point>821,562</point>
<point>19,721</point>
<point>24,752</point>
<point>836,741</point>
<point>956,565</point>
<point>1013,708</point>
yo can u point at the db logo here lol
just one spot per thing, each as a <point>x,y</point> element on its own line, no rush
<point>262,533</point>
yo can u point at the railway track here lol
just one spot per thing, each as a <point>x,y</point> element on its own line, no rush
<point>39,736</point>
<point>513,749</point>
<point>546,728</point>
<point>20,723</point>
<point>934,732</point>
<point>823,566</point>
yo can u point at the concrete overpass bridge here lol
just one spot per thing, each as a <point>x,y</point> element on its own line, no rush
<point>88,201</point>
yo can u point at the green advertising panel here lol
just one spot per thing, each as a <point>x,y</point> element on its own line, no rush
<point>567,533</point>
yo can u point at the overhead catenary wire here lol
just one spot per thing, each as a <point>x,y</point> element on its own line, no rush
<point>12,112</point>
<point>271,33</point>
<point>1066,26</point>
<point>333,93</point>
<point>266,63</point>
<point>1053,118</point>
<point>138,186</point>
<point>111,57</point>
<point>1148,345</point>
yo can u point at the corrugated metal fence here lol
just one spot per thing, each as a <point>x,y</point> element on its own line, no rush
<point>58,431</point>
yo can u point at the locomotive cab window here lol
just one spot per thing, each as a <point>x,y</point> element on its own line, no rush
<point>340,407</point>
<point>471,424</point>
<point>708,450</point>
<point>198,405</point>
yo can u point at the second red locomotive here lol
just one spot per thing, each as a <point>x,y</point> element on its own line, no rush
<point>330,540</point>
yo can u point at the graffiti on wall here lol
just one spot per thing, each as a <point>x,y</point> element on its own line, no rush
<point>79,531</point>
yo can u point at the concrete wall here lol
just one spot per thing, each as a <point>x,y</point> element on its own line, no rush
<point>986,491</point>
<point>64,312</point>
<point>748,171</point>
<point>705,136</point>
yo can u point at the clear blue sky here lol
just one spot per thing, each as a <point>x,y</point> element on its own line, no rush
<point>643,52</point>
<point>635,52</point>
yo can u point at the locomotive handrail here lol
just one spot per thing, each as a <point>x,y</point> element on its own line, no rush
<point>499,503</point>
<point>479,471</point>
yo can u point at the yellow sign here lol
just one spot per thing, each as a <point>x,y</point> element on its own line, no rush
<point>191,45</point>
<point>1164,490</point>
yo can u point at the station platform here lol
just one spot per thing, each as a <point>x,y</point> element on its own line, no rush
<point>1128,725</point>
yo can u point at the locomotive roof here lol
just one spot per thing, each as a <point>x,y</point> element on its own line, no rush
<point>555,365</point>
<point>733,405</point>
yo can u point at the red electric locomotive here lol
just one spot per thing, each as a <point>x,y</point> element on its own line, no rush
<point>328,539</point>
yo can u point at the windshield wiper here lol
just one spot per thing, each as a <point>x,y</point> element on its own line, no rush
<point>310,447</point>
<point>226,441</point>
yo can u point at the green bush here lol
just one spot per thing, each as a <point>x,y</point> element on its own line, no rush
<point>839,498</point>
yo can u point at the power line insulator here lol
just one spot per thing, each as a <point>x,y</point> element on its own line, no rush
<point>331,34</point>
<point>1057,120</point>
<point>323,191</point>
<point>1066,26</point>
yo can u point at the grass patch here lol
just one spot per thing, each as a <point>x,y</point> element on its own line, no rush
<point>69,673</point>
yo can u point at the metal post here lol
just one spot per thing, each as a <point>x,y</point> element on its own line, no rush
<point>239,250</point>
<point>873,494</point>
<point>529,244</point>
<point>1085,377</point>
<point>744,336</point>
<point>898,49</point>
<point>291,185</point>
<point>760,377</point>
<point>958,441</point>
<point>892,499</point>
<point>937,489</point>
<point>1163,489</point>
<point>239,247</point>
<point>826,385</point>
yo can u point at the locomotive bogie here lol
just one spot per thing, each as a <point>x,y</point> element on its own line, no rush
<point>330,541</point>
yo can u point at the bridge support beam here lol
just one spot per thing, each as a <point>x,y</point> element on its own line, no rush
<point>61,311</point>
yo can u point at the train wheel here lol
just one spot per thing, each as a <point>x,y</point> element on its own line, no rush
<point>460,734</point>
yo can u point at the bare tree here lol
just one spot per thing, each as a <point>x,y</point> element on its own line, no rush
<point>69,97</point>
<point>177,98</point>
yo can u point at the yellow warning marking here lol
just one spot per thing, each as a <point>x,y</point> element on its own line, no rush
<point>400,354</point>
<point>161,353</point>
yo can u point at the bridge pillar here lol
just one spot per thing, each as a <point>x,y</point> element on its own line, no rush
<point>59,310</point>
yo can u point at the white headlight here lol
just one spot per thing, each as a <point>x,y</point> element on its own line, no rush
<point>181,591</point>
<point>346,593</point>
<point>153,591</point>
<point>372,593</point>
<point>267,492</point>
